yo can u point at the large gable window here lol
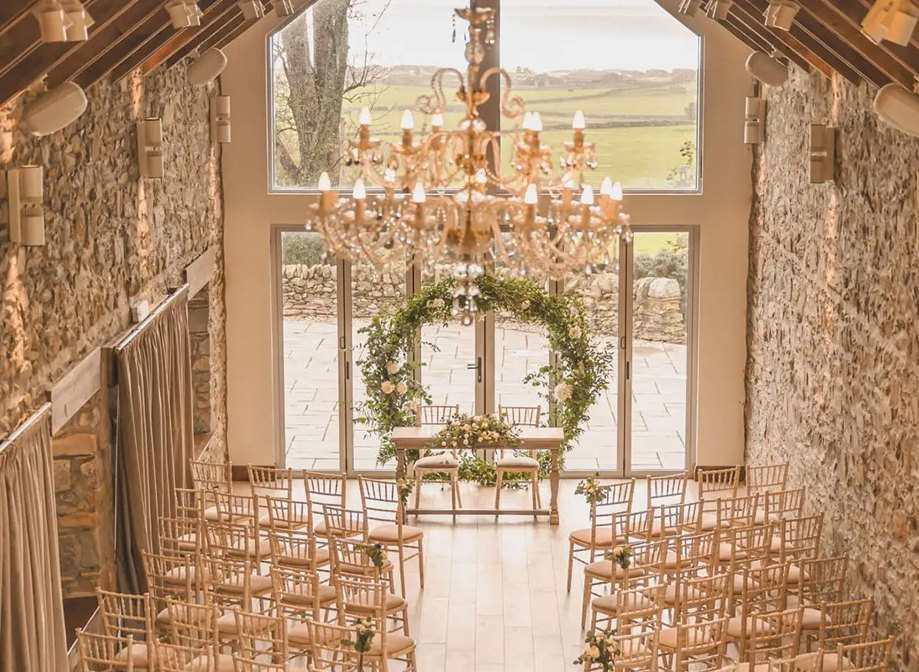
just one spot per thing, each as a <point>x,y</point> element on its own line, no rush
<point>631,67</point>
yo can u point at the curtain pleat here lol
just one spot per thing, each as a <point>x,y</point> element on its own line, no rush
<point>31,604</point>
<point>155,430</point>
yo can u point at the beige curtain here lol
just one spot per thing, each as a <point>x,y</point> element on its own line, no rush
<point>31,606</point>
<point>155,431</point>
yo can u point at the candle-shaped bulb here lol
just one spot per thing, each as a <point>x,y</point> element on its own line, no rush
<point>325,184</point>
<point>616,195</point>
<point>587,195</point>
<point>531,195</point>
<point>408,120</point>
<point>528,121</point>
<point>578,123</point>
<point>537,122</point>
<point>359,192</point>
<point>437,120</point>
<point>418,195</point>
<point>606,187</point>
<point>365,116</point>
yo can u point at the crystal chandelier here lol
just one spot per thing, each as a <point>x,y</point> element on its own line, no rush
<point>442,196</point>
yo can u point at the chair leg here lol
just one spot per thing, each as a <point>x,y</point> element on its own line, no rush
<point>570,562</point>
<point>534,495</point>
<point>402,570</point>
<point>536,487</point>
<point>499,478</point>
<point>453,493</point>
<point>418,481</point>
<point>585,601</point>
<point>459,495</point>
<point>405,620</point>
<point>421,562</point>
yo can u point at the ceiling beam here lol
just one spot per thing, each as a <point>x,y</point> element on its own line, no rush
<point>104,41</point>
<point>11,11</point>
<point>188,40</point>
<point>201,37</point>
<point>132,43</point>
<point>217,36</point>
<point>229,36</point>
<point>47,56</point>
<point>745,35</point>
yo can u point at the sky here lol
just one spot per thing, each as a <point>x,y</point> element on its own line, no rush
<point>542,36</point>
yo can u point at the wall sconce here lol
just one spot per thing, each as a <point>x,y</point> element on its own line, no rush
<point>898,107</point>
<point>207,67</point>
<point>822,153</point>
<point>781,14</point>
<point>754,127</point>
<point>220,119</point>
<point>251,9</point>
<point>54,109</point>
<point>183,13</point>
<point>24,196</point>
<point>718,9</point>
<point>150,147</point>
<point>283,8</point>
<point>766,69</point>
<point>891,20</point>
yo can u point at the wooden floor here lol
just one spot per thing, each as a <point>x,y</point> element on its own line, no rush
<point>494,597</point>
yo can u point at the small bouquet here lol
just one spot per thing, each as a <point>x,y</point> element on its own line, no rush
<point>363,637</point>
<point>405,487</point>
<point>622,554</point>
<point>592,491</point>
<point>376,553</point>
<point>476,431</point>
<point>601,650</point>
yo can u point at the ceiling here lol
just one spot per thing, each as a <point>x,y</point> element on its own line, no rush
<point>128,35</point>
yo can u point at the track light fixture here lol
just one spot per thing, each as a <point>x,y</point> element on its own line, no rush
<point>183,13</point>
<point>766,69</point>
<point>66,21</point>
<point>24,196</point>
<point>754,128</point>
<point>284,7</point>
<point>891,20</point>
<point>150,147</point>
<point>690,7</point>
<point>781,14</point>
<point>251,9</point>
<point>822,153</point>
<point>899,107</point>
<point>207,67</point>
<point>718,9</point>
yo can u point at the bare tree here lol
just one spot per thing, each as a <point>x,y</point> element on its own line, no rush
<point>313,81</point>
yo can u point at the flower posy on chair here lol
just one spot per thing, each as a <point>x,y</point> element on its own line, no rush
<point>592,491</point>
<point>601,650</point>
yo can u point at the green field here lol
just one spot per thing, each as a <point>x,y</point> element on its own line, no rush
<point>652,243</point>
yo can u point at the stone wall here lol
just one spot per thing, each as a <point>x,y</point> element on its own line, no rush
<point>833,337</point>
<point>112,239</point>
<point>309,293</point>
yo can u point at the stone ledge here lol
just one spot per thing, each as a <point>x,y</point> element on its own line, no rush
<point>74,445</point>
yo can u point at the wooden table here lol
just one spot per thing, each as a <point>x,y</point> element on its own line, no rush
<point>531,438</point>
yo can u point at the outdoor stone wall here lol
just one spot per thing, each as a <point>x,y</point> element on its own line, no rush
<point>112,239</point>
<point>833,337</point>
<point>309,293</point>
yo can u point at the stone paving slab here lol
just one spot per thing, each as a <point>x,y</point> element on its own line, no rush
<point>312,397</point>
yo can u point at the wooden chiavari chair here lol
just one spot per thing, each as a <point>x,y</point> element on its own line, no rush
<point>194,625</point>
<point>700,646</point>
<point>820,581</point>
<point>843,624</point>
<point>241,539</point>
<point>765,590</point>
<point>695,551</point>
<point>211,475</point>
<point>782,504</point>
<point>103,653</point>
<point>177,576</point>
<point>330,654</point>
<point>862,657</point>
<point>381,503</point>
<point>694,594</point>
<point>266,637</point>
<point>638,647</point>
<point>443,461</point>
<point>797,540</point>
<point>637,600</point>
<point>236,508</point>
<point>265,482</point>
<point>736,511</point>
<point>647,560</point>
<point>123,615</point>
<point>361,596</point>
<point>600,536</point>
<point>668,489</point>
<point>232,583</point>
<point>673,520</point>
<point>300,596</point>
<point>179,658</point>
<point>386,646</point>
<point>715,484</point>
<point>349,558</point>
<point>522,461</point>
<point>339,523</point>
<point>180,535</point>
<point>698,600</point>
<point>748,546</point>
<point>297,548</point>
<point>288,514</point>
<point>324,489</point>
<point>193,504</point>
<point>762,478</point>
<point>774,635</point>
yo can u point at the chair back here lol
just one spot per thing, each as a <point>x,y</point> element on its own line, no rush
<point>699,597</point>
<point>262,635</point>
<point>233,508</point>
<point>224,539</point>
<point>192,502</point>
<point>293,548</point>
<point>844,623</point>
<point>345,523</point>
<point>428,414</point>
<point>180,535</point>
<point>170,576</point>
<point>736,511</point>
<point>329,653</point>
<point>363,597</point>
<point>123,614</point>
<point>799,538</point>
<point>638,646</point>
<point>380,501</point>
<point>764,478</point>
<point>677,519</point>
<point>701,645</point>
<point>288,514</point>
<point>296,591</point>
<point>211,475</point>
<point>715,484</point>
<point>823,580</point>
<point>270,482</point>
<point>785,503</point>
<point>746,544</point>
<point>666,489</point>
<point>194,624</point>
<point>867,657</point>
<point>179,658</point>
<point>529,416</point>
<point>106,653</point>
<point>350,559</point>
<point>774,635</point>
<point>764,590</point>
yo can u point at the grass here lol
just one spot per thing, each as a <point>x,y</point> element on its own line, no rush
<point>652,243</point>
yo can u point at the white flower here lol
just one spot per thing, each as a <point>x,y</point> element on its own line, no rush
<point>574,332</point>
<point>467,427</point>
<point>436,303</point>
<point>392,367</point>
<point>401,388</point>
<point>525,304</point>
<point>593,652</point>
<point>563,392</point>
<point>387,387</point>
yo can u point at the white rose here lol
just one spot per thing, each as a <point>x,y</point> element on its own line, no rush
<point>387,387</point>
<point>574,332</point>
<point>525,305</point>
<point>436,303</point>
<point>563,392</point>
<point>467,427</point>
<point>401,388</point>
<point>392,367</point>
<point>593,652</point>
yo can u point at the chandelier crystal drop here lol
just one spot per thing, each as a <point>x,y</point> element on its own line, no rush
<point>442,197</point>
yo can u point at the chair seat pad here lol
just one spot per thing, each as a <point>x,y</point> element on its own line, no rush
<point>178,575</point>
<point>725,551</point>
<point>735,627</point>
<point>443,461</point>
<point>759,517</point>
<point>206,664</point>
<point>258,584</point>
<point>605,569</point>
<point>226,625</point>
<point>396,644</point>
<point>322,530</point>
<point>694,637</point>
<point>603,538</point>
<point>163,617</point>
<point>673,561</point>
<point>609,604</point>
<point>141,655</point>
<point>831,663</point>
<point>363,606</point>
<point>709,522</point>
<point>304,597</point>
<point>390,533</point>
<point>811,618</point>
<point>745,667</point>
<point>299,635</point>
<point>516,462</point>
<point>322,558</point>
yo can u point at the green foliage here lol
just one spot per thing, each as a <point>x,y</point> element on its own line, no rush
<point>570,385</point>
<point>297,248</point>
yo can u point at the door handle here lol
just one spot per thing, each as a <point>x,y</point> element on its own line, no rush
<point>477,365</point>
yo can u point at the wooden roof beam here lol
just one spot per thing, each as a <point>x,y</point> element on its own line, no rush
<point>186,41</point>
<point>12,11</point>
<point>745,35</point>
<point>201,37</point>
<point>217,37</point>
<point>132,44</point>
<point>232,35</point>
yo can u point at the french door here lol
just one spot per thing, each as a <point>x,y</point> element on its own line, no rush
<point>643,312</point>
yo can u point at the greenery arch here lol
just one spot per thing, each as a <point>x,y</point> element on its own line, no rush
<point>571,384</point>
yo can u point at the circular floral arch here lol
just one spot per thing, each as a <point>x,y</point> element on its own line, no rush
<point>571,383</point>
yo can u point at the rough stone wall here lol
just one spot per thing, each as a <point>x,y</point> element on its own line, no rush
<point>309,293</point>
<point>112,239</point>
<point>833,337</point>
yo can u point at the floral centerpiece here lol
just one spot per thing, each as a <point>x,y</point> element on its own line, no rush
<point>363,637</point>
<point>593,492</point>
<point>601,650</point>
<point>476,431</point>
<point>621,554</point>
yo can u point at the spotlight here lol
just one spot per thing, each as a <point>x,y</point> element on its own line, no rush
<point>822,153</point>
<point>718,9</point>
<point>690,7</point>
<point>77,21</point>
<point>150,147</point>
<point>781,14</point>
<point>891,20</point>
<point>754,120</point>
<point>251,9</point>
<point>766,69</point>
<point>898,107</point>
<point>24,188</point>
<point>53,110</point>
<point>183,13</point>
<point>220,119</point>
<point>51,21</point>
<point>283,8</point>
<point>207,67</point>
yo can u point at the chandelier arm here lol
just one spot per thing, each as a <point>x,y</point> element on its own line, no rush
<point>512,106</point>
<point>423,102</point>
